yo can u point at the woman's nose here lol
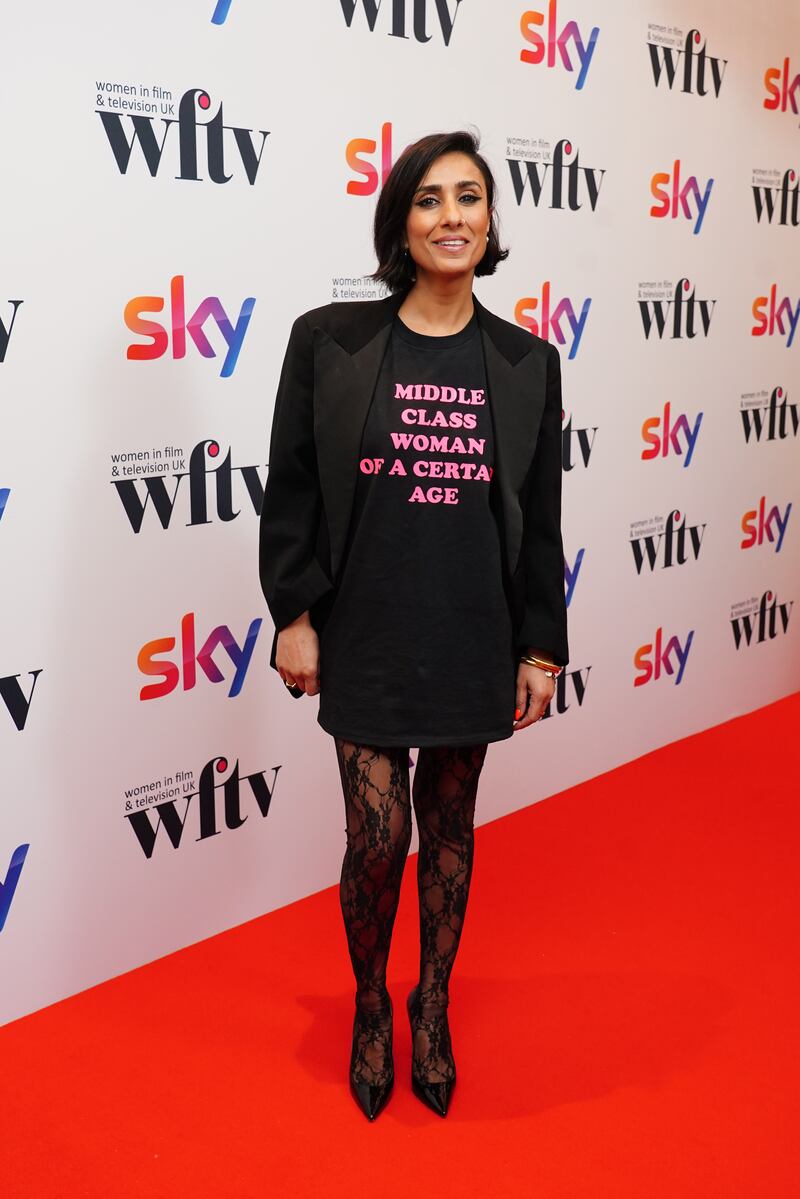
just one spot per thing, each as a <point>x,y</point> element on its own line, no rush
<point>450,213</point>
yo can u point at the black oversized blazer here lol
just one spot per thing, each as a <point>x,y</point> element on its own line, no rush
<point>326,384</point>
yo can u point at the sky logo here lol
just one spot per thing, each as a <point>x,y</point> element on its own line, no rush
<point>221,10</point>
<point>210,308</point>
<point>785,96</point>
<point>557,42</point>
<point>677,200</point>
<point>372,180</point>
<point>669,658</point>
<point>9,884</point>
<point>562,319</point>
<point>771,315</point>
<point>758,524</point>
<point>675,434</point>
<point>571,574</point>
<point>149,663</point>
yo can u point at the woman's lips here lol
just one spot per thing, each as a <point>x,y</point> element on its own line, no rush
<point>455,248</point>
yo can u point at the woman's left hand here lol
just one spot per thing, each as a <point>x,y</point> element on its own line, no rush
<point>535,689</point>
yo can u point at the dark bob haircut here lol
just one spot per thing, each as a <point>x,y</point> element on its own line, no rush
<point>396,268</point>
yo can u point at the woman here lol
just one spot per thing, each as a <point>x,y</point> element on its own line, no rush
<point>412,562</point>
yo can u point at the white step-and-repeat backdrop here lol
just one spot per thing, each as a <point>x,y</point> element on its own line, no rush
<point>181,178</point>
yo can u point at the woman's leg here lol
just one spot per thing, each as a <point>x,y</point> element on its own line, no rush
<point>444,792</point>
<point>378,810</point>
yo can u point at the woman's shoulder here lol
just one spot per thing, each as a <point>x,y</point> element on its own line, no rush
<point>516,339</point>
<point>343,313</point>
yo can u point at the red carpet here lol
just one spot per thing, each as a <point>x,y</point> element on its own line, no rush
<point>623,1015</point>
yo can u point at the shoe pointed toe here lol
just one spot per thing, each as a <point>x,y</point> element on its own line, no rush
<point>436,1095</point>
<point>371,1097</point>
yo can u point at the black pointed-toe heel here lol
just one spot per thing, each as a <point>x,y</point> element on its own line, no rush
<point>370,1097</point>
<point>435,1095</point>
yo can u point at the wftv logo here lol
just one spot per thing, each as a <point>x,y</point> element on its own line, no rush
<point>211,307</point>
<point>673,542</point>
<point>784,96</point>
<point>557,41</point>
<point>569,682</point>
<point>773,417</point>
<point>767,322</point>
<point>17,703</point>
<point>676,200</point>
<point>665,61</point>
<point>585,444</point>
<point>191,658</point>
<point>566,180</point>
<point>666,657</point>
<point>155,492</point>
<point>5,492</point>
<point>142,131</point>
<point>571,574</point>
<point>221,10</point>
<point>7,329</point>
<point>685,310</point>
<point>760,617</point>
<point>758,524</point>
<point>766,197</point>
<point>358,146</point>
<point>663,433</point>
<point>8,885</point>
<point>552,318</point>
<point>419,25</point>
<point>174,824</point>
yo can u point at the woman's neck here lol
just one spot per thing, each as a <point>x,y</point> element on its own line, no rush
<point>438,306</point>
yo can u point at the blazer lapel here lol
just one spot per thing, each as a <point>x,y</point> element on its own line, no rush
<point>346,370</point>
<point>516,387</point>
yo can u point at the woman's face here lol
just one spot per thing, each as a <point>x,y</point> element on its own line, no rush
<point>448,221</point>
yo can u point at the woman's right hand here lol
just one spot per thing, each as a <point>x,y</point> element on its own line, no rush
<point>297,654</point>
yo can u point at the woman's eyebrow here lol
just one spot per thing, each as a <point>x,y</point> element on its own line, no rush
<point>437,187</point>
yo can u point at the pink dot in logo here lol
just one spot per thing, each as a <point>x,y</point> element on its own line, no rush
<point>769,595</point>
<point>686,285</point>
<point>780,391</point>
<point>222,764</point>
<point>677,514</point>
<point>696,35</point>
<point>213,449</point>
<point>204,100</point>
<point>791,174</point>
<point>568,147</point>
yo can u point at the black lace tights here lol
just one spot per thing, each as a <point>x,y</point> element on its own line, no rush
<point>375,783</point>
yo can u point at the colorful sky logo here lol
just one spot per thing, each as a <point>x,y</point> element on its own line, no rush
<point>665,433</point>
<point>676,200</point>
<point>771,315</point>
<point>667,658</point>
<point>150,663</point>
<point>786,95</point>
<point>557,42</point>
<point>758,524</point>
<point>221,10</point>
<point>8,885</point>
<point>561,319</point>
<point>210,308</point>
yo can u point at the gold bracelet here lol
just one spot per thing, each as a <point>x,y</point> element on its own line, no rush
<point>549,668</point>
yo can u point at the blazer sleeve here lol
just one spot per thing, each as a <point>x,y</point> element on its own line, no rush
<point>291,576</point>
<point>544,623</point>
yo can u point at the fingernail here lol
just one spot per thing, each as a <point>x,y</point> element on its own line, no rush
<point>517,713</point>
